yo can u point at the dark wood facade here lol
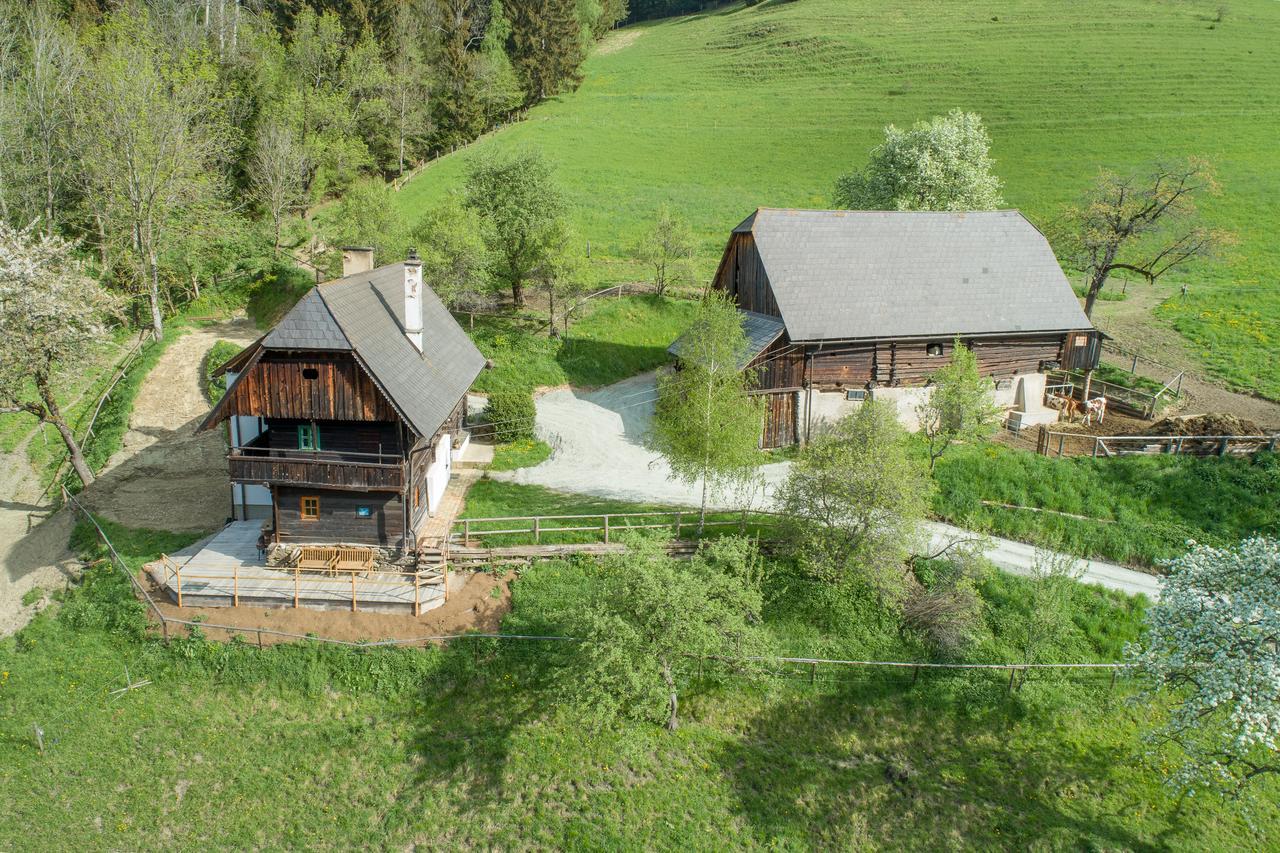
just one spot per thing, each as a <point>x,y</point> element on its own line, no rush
<point>836,366</point>
<point>357,518</point>
<point>329,434</point>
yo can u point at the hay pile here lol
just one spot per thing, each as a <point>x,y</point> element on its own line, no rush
<point>1207,424</point>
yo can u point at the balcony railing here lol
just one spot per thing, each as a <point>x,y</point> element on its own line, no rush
<point>322,468</point>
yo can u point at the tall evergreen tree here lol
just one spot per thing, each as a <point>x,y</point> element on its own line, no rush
<point>458,112</point>
<point>546,46</point>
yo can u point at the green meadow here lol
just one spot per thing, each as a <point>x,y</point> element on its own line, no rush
<point>740,107</point>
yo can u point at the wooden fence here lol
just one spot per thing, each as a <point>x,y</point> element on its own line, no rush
<point>1054,443</point>
<point>535,527</point>
<point>1129,401</point>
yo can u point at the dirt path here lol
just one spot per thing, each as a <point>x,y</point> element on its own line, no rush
<point>165,476</point>
<point>33,546</point>
<point>1133,325</point>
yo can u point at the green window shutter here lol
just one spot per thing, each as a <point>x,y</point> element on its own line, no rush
<point>308,439</point>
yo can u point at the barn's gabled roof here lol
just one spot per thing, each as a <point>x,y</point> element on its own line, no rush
<point>761,330</point>
<point>364,314</point>
<point>844,274</point>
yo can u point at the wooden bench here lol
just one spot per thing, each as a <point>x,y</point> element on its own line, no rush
<point>354,559</point>
<point>317,557</point>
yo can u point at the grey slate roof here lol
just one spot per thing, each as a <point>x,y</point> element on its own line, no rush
<point>845,274</point>
<point>424,386</point>
<point>760,329</point>
<point>308,325</point>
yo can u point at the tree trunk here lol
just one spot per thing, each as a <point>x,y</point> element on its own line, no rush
<point>673,701</point>
<point>1095,287</point>
<point>54,415</point>
<point>517,292</point>
<point>48,202</point>
<point>153,286</point>
<point>276,247</point>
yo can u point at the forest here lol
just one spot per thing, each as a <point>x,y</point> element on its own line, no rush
<point>184,143</point>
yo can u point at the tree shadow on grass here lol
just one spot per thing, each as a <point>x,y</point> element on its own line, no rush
<point>871,765</point>
<point>466,718</point>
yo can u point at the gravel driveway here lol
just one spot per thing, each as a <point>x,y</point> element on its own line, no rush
<point>597,441</point>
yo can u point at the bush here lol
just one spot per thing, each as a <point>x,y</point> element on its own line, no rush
<point>511,412</point>
<point>219,354</point>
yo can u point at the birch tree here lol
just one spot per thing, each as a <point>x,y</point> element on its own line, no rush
<point>705,425</point>
<point>1210,657</point>
<point>147,117</point>
<point>49,313</point>
<point>53,70</point>
<point>668,250</point>
<point>960,405</point>
<point>277,173</point>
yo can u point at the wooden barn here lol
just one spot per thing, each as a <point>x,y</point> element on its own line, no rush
<point>345,418</point>
<point>840,305</point>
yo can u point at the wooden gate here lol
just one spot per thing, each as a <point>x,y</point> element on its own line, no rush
<point>779,420</point>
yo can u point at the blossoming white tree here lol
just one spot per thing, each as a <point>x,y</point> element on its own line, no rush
<point>1211,659</point>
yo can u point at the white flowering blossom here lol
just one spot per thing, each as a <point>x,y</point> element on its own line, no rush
<point>1211,656</point>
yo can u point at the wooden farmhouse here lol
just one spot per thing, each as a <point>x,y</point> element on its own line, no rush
<point>840,305</point>
<point>345,418</point>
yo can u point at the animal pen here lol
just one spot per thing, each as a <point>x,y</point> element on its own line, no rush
<point>1058,443</point>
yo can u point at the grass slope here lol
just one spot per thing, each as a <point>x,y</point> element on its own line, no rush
<point>766,105</point>
<point>320,747</point>
<point>1149,506</point>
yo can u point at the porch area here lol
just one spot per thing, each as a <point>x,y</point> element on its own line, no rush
<point>227,571</point>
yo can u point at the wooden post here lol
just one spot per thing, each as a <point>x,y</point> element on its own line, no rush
<point>354,607</point>
<point>259,638</point>
<point>235,585</point>
<point>178,572</point>
<point>417,586</point>
<point>1222,450</point>
<point>1114,672</point>
<point>295,586</point>
<point>606,521</point>
<point>1062,440</point>
<point>537,530</point>
<point>1012,672</point>
<point>679,516</point>
<point>813,673</point>
<point>466,531</point>
<point>915,675</point>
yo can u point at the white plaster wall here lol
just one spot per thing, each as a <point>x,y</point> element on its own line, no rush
<point>905,401</point>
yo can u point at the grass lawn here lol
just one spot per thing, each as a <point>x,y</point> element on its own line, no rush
<point>719,113</point>
<point>612,339</point>
<point>311,746</point>
<point>519,454</point>
<point>1153,504</point>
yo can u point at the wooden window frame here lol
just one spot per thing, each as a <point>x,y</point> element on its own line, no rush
<point>302,508</point>
<point>312,433</point>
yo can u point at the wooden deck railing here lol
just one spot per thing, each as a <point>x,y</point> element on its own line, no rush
<point>378,471</point>
<point>175,576</point>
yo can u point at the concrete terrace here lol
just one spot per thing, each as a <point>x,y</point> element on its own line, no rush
<point>226,570</point>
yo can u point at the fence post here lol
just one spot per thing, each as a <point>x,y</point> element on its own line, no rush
<point>1134,368</point>
<point>1012,673</point>
<point>679,517</point>
<point>178,572</point>
<point>235,585</point>
<point>813,673</point>
<point>1222,450</point>
<point>1271,445</point>
<point>1062,440</point>
<point>606,529</point>
<point>915,676</point>
<point>295,586</point>
<point>537,530</point>
<point>354,608</point>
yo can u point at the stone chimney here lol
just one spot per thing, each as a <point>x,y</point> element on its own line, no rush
<point>413,299</point>
<point>356,259</point>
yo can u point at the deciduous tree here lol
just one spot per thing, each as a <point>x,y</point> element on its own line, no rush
<point>959,406</point>
<point>49,313</point>
<point>1147,225</point>
<point>277,173</point>
<point>705,425</point>
<point>1210,658</point>
<point>455,254</point>
<point>942,164</point>
<point>854,501</point>
<point>653,617</point>
<point>524,209</point>
<point>668,250</point>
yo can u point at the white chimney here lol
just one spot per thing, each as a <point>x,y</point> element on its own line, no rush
<point>413,299</point>
<point>356,259</point>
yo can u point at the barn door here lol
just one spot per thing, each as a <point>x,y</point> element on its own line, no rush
<point>779,420</point>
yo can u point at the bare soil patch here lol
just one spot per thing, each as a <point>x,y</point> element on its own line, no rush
<point>479,605</point>
<point>166,476</point>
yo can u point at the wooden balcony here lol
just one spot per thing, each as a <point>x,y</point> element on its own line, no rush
<point>322,469</point>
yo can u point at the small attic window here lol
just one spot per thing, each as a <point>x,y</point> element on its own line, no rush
<point>310,373</point>
<point>933,350</point>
